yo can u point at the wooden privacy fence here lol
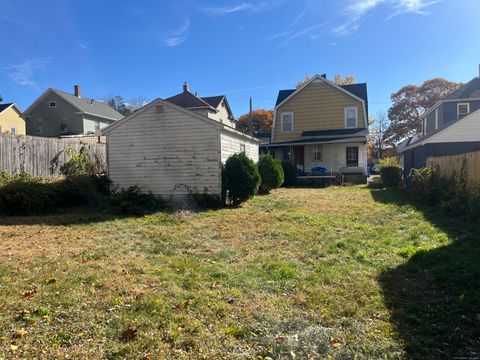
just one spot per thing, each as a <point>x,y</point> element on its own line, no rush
<point>451,165</point>
<point>41,156</point>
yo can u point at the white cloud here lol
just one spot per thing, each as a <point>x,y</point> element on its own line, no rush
<point>24,73</point>
<point>244,6</point>
<point>176,36</point>
<point>83,45</point>
<point>312,32</point>
<point>357,10</point>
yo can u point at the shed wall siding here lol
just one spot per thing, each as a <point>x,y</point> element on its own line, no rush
<point>230,145</point>
<point>171,153</point>
<point>319,106</point>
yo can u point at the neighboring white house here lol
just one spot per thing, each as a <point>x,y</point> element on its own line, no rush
<point>173,152</point>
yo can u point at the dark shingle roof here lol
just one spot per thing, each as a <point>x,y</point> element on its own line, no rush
<point>321,140</point>
<point>359,90</point>
<point>91,106</point>
<point>283,94</point>
<point>336,132</point>
<point>4,106</point>
<point>188,100</point>
<point>469,90</point>
<point>213,100</point>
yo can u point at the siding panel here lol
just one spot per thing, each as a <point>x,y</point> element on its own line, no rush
<point>317,107</point>
<point>171,153</point>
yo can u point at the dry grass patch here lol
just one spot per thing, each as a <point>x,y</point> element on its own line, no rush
<point>291,274</point>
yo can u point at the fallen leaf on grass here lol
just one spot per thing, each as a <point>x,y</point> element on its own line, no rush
<point>146,356</point>
<point>13,347</point>
<point>19,334</point>
<point>335,343</point>
<point>51,280</point>
<point>29,293</point>
<point>2,306</point>
<point>130,333</point>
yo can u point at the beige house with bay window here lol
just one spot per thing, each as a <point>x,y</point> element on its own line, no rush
<point>322,127</point>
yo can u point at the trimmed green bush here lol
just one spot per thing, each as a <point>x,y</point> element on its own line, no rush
<point>271,172</point>
<point>390,172</point>
<point>241,179</point>
<point>290,173</point>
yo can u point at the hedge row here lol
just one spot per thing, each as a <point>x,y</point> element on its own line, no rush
<point>452,196</point>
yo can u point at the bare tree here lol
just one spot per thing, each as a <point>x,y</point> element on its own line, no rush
<point>137,102</point>
<point>378,134</point>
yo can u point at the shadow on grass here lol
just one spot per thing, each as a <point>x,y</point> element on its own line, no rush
<point>434,298</point>
<point>61,218</point>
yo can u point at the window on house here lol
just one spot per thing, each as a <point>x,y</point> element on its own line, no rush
<point>287,154</point>
<point>351,117</point>
<point>286,122</point>
<point>0,129</point>
<point>159,109</point>
<point>64,125</point>
<point>318,152</point>
<point>39,125</point>
<point>463,109</point>
<point>436,118</point>
<point>13,131</point>
<point>242,148</point>
<point>52,104</point>
<point>424,126</point>
<point>97,125</point>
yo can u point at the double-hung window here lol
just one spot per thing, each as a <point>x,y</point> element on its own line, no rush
<point>351,117</point>
<point>286,122</point>
<point>242,148</point>
<point>436,118</point>
<point>463,109</point>
<point>13,131</point>
<point>318,152</point>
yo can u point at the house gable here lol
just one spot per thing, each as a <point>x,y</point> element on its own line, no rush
<point>10,118</point>
<point>43,120</point>
<point>318,105</point>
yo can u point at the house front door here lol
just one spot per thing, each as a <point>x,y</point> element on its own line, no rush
<point>299,156</point>
<point>352,156</point>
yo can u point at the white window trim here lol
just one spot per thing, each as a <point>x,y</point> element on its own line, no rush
<point>345,114</point>
<point>13,131</point>
<point>242,148</point>
<point>458,108</point>
<point>50,104</point>
<point>436,118</point>
<point>425,127</point>
<point>281,121</point>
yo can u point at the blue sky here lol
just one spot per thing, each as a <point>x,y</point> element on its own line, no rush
<point>239,48</point>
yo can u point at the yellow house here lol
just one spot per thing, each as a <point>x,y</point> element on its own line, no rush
<point>11,119</point>
<point>322,129</point>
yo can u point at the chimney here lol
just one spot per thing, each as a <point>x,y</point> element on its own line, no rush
<point>185,87</point>
<point>76,90</point>
<point>324,76</point>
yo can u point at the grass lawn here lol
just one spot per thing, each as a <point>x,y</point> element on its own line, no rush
<point>342,272</point>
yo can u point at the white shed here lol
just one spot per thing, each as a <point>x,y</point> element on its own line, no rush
<point>172,152</point>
